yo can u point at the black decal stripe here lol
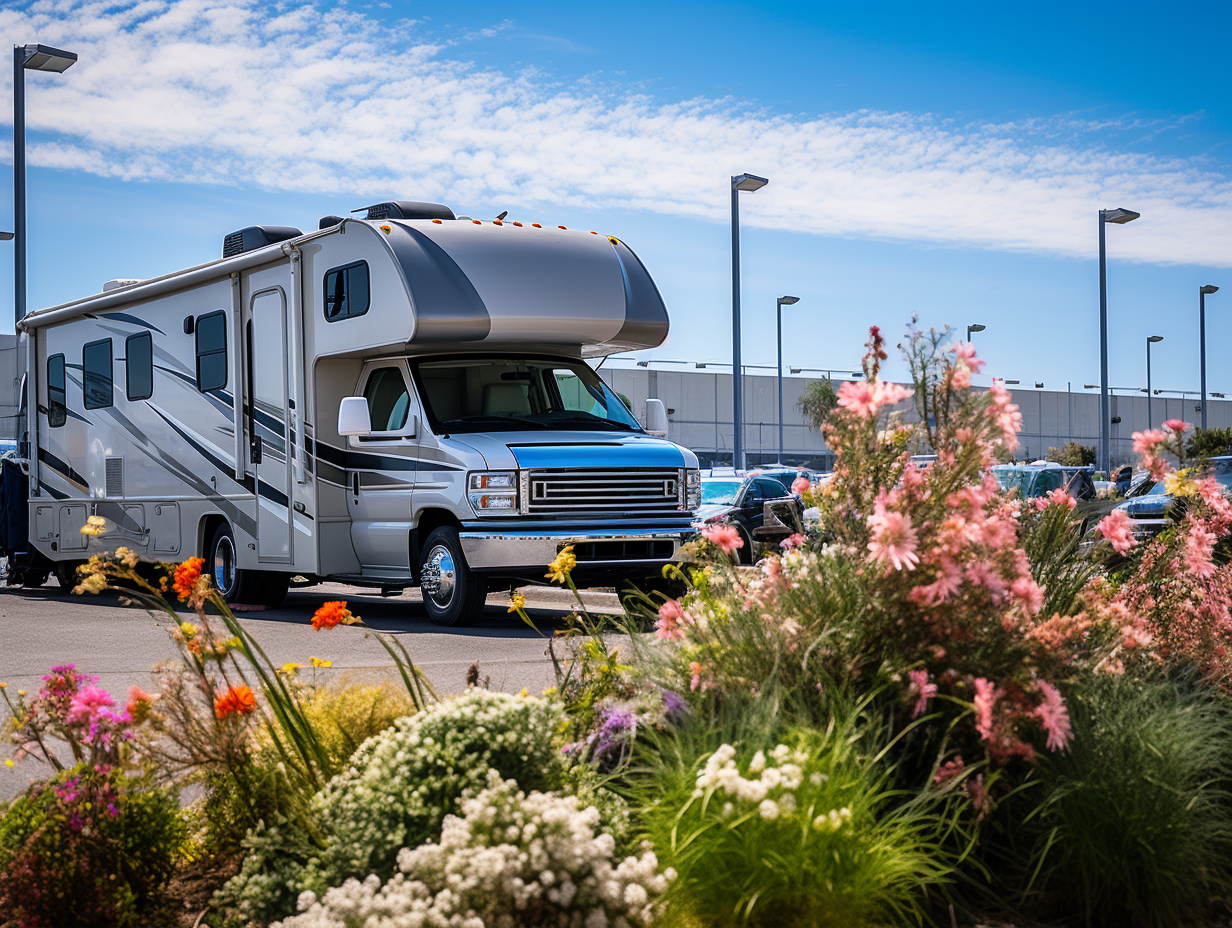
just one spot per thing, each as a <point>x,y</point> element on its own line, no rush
<point>63,469</point>
<point>366,460</point>
<point>220,399</point>
<point>274,495</point>
<point>133,320</point>
<point>246,483</point>
<point>51,491</point>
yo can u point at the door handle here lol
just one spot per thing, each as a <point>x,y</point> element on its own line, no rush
<point>355,484</point>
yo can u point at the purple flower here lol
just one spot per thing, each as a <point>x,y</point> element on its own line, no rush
<point>675,709</point>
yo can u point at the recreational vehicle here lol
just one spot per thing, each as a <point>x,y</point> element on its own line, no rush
<point>396,400</point>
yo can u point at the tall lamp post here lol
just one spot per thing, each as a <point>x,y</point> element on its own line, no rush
<point>749,183</point>
<point>26,58</point>
<point>1203,293</point>
<point>1120,217</point>
<point>1150,340</point>
<point>974,327</point>
<point>778,308</point>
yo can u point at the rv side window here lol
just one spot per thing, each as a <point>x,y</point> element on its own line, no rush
<point>346,291</point>
<point>212,351</point>
<point>96,374</point>
<point>139,366</point>
<point>57,409</point>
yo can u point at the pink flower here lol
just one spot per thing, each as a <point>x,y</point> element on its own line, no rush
<point>1176,425</point>
<point>889,394</point>
<point>893,539</point>
<point>949,579</point>
<point>727,537</point>
<point>1199,546</point>
<point>800,485</point>
<point>979,795</point>
<point>1028,591</point>
<point>966,354</point>
<point>671,616</point>
<point>1053,716</point>
<point>1145,442</point>
<point>949,770</point>
<point>792,541</point>
<point>858,398</point>
<point>696,669</point>
<point>87,703</point>
<point>1117,528</point>
<point>986,696</point>
<point>1057,497</point>
<point>923,689</point>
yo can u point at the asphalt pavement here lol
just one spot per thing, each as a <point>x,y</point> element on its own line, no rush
<point>41,628</point>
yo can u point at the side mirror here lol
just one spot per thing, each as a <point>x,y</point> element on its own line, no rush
<point>656,418</point>
<point>353,416</point>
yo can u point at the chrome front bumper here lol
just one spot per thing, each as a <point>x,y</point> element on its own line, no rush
<point>486,550</point>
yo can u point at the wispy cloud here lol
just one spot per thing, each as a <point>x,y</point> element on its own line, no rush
<point>296,97</point>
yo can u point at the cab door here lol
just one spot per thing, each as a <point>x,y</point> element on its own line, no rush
<point>381,468</point>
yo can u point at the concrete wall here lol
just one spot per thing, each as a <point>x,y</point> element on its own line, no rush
<point>702,404</point>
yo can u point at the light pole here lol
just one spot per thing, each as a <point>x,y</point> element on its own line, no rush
<point>748,182</point>
<point>778,308</point>
<point>1120,217</point>
<point>26,58</point>
<point>974,327</point>
<point>1203,293</point>
<point>1150,340</point>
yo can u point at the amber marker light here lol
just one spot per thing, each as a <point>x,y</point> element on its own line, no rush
<point>536,225</point>
<point>562,227</point>
<point>477,222</point>
<point>386,229</point>
<point>437,221</point>
<point>518,224</point>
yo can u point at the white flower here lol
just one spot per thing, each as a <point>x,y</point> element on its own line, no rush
<point>768,809</point>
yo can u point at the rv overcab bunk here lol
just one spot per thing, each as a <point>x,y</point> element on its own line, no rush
<point>391,401</point>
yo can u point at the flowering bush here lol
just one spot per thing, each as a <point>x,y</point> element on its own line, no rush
<point>509,860</point>
<point>799,834</point>
<point>398,787</point>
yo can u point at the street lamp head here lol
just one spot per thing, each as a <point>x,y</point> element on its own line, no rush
<point>1038,384</point>
<point>46,58</point>
<point>700,365</point>
<point>796,370</point>
<point>976,327</point>
<point>788,300</point>
<point>6,236</point>
<point>1208,289</point>
<point>1118,215</point>
<point>1011,381</point>
<point>1154,338</point>
<point>749,182</point>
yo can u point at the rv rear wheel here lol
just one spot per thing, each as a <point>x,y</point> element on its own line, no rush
<point>453,594</point>
<point>238,585</point>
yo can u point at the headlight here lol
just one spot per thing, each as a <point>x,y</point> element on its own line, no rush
<point>692,489</point>
<point>493,491</point>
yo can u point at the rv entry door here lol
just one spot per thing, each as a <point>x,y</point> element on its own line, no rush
<point>270,443</point>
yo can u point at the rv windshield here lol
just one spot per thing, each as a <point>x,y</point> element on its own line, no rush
<point>487,394</point>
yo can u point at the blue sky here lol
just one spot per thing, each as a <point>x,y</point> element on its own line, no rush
<point>940,159</point>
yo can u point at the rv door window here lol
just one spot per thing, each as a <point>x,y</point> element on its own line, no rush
<point>388,399</point>
<point>139,366</point>
<point>96,374</point>
<point>346,291</point>
<point>212,351</point>
<point>57,409</point>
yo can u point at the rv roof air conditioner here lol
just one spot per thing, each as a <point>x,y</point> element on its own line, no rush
<point>255,237</point>
<point>406,209</point>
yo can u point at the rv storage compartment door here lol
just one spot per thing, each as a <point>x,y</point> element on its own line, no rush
<point>268,366</point>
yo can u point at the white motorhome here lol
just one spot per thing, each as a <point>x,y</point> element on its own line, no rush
<point>390,401</point>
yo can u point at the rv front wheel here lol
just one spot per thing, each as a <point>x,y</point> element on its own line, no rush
<point>452,593</point>
<point>238,585</point>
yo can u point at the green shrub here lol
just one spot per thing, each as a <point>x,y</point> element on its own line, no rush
<point>1136,825</point>
<point>346,718</point>
<point>395,792</point>
<point>801,833</point>
<point>84,849</point>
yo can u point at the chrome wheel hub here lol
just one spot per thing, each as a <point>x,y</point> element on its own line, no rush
<point>224,565</point>
<point>436,579</point>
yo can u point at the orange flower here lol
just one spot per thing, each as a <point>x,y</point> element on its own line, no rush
<point>186,577</point>
<point>333,614</point>
<point>236,699</point>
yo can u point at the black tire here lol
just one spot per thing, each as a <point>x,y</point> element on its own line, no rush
<point>453,594</point>
<point>66,574</point>
<point>254,587</point>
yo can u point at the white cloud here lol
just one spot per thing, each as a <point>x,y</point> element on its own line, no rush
<point>288,96</point>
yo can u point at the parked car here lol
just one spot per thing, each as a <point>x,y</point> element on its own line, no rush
<point>784,475</point>
<point>1151,508</point>
<point>1032,481</point>
<point>741,501</point>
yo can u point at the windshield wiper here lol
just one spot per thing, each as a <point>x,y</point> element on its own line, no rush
<point>592,422</point>
<point>455,424</point>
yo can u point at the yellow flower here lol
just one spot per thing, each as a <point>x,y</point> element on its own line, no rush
<point>516,602</point>
<point>2,684</point>
<point>126,557</point>
<point>94,526</point>
<point>524,693</point>
<point>190,631</point>
<point>290,668</point>
<point>317,662</point>
<point>95,583</point>
<point>559,569</point>
<point>21,692</point>
<point>1179,484</point>
<point>8,762</point>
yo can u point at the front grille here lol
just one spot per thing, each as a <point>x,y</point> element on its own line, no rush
<point>635,549</point>
<point>614,491</point>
